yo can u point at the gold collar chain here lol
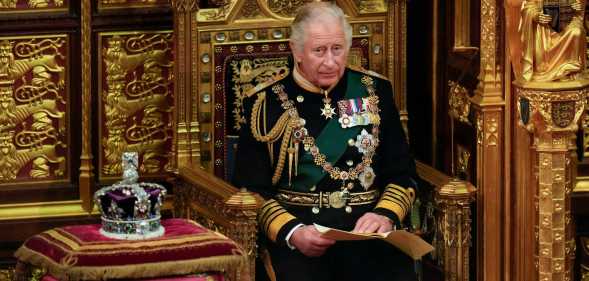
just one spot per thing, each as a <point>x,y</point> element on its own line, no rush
<point>301,135</point>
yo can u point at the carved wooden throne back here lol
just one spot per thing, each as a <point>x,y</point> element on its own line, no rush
<point>244,43</point>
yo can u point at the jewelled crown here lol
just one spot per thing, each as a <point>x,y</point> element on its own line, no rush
<point>130,210</point>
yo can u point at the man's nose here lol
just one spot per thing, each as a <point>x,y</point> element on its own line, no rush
<point>329,59</point>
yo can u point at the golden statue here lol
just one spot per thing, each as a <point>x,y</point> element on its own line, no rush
<point>538,52</point>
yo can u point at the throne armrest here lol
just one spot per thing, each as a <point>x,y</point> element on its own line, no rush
<point>451,200</point>
<point>222,207</point>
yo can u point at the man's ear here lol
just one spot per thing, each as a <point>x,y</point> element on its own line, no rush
<point>296,53</point>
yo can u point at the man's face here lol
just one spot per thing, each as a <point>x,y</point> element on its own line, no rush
<point>323,58</point>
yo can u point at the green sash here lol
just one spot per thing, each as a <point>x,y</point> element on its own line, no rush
<point>333,141</point>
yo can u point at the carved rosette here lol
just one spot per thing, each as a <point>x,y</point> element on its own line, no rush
<point>453,231</point>
<point>551,115</point>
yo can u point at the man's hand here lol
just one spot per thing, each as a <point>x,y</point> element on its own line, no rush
<point>544,19</point>
<point>371,222</point>
<point>309,241</point>
<point>577,6</point>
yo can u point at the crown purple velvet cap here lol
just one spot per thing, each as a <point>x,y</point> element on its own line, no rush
<point>130,210</point>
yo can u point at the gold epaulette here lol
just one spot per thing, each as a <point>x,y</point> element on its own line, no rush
<point>266,84</point>
<point>368,72</point>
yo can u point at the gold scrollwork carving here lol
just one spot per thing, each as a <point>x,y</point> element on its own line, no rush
<point>371,6</point>
<point>459,102</point>
<point>285,8</point>
<point>32,108</point>
<point>250,10</point>
<point>185,5</point>
<point>137,100</point>
<point>249,72</point>
<point>35,4</point>
<point>215,14</point>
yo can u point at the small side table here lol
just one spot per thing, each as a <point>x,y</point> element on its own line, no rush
<point>80,252</point>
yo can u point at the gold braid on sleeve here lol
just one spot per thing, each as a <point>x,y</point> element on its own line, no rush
<point>282,129</point>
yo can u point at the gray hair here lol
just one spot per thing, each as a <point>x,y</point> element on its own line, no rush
<point>313,11</point>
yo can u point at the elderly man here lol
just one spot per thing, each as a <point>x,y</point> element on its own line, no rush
<point>324,144</point>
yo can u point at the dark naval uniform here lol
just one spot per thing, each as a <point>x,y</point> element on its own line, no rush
<point>311,169</point>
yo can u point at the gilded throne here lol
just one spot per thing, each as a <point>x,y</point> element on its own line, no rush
<point>224,51</point>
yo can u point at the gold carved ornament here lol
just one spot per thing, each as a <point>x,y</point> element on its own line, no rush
<point>142,99</point>
<point>459,102</point>
<point>35,4</point>
<point>285,8</point>
<point>32,116</point>
<point>537,51</point>
<point>371,6</point>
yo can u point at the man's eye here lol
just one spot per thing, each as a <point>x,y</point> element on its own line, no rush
<point>318,50</point>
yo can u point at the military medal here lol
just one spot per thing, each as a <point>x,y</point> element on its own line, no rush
<point>327,111</point>
<point>365,142</point>
<point>358,112</point>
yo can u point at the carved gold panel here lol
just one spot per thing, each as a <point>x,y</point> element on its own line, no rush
<point>117,4</point>
<point>20,6</point>
<point>34,115</point>
<point>462,26</point>
<point>371,6</point>
<point>136,100</point>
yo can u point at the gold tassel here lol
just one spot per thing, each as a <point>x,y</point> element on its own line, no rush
<point>290,159</point>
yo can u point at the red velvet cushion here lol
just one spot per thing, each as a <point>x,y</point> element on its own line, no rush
<point>197,277</point>
<point>81,252</point>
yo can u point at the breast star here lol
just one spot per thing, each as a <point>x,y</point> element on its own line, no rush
<point>327,111</point>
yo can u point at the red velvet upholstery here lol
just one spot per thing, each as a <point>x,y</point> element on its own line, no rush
<point>81,252</point>
<point>197,277</point>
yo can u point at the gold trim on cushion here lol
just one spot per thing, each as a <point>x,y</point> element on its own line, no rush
<point>273,217</point>
<point>145,270</point>
<point>76,245</point>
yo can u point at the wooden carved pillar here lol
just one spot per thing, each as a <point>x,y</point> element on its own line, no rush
<point>86,169</point>
<point>244,208</point>
<point>397,62</point>
<point>185,145</point>
<point>550,112</point>
<point>489,106</point>
<point>453,200</point>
